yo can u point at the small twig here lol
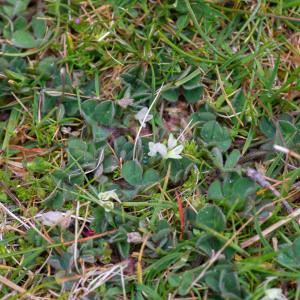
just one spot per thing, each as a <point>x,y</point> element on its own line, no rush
<point>92,237</point>
<point>286,151</point>
<point>260,179</point>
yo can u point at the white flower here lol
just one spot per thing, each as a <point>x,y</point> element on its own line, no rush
<point>53,218</point>
<point>105,196</point>
<point>169,151</point>
<point>171,142</point>
<point>143,117</point>
<point>274,294</point>
<point>157,148</point>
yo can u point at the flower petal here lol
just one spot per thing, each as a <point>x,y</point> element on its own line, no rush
<point>177,150</point>
<point>104,196</point>
<point>157,148</point>
<point>161,149</point>
<point>152,149</point>
<point>172,142</point>
<point>174,153</point>
<point>107,205</point>
<point>274,294</point>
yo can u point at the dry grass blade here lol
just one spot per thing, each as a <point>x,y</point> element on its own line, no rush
<point>17,288</point>
<point>286,151</point>
<point>139,270</point>
<point>272,228</point>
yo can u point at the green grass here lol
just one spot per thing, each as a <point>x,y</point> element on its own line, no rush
<point>87,212</point>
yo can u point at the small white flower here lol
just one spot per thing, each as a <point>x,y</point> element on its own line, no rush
<point>170,151</point>
<point>157,148</point>
<point>107,205</point>
<point>274,294</point>
<point>171,142</point>
<point>142,114</point>
<point>174,153</point>
<point>105,196</point>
